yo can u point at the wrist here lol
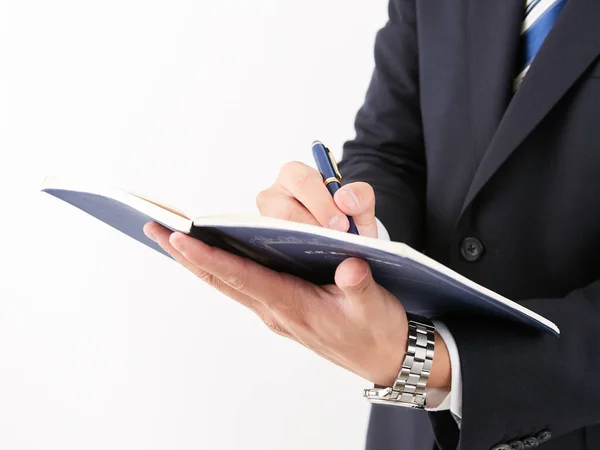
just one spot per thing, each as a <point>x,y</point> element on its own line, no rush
<point>409,388</point>
<point>441,371</point>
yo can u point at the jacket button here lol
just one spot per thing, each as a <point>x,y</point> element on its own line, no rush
<point>471,249</point>
<point>530,442</point>
<point>543,436</point>
<point>501,447</point>
<point>516,445</point>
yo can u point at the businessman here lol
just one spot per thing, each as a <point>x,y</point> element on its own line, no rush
<point>478,144</point>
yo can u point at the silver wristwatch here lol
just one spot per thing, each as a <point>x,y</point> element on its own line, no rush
<point>409,388</point>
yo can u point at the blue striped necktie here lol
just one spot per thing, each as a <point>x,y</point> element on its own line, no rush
<point>540,16</point>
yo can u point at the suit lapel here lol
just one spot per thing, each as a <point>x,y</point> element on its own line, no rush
<point>571,46</point>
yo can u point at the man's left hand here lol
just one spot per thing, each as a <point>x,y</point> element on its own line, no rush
<point>354,323</point>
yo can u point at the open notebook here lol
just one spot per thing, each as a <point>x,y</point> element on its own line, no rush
<point>425,286</point>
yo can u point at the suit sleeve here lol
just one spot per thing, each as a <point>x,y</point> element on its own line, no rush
<point>518,383</point>
<point>388,150</point>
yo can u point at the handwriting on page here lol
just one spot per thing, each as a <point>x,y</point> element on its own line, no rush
<point>332,253</point>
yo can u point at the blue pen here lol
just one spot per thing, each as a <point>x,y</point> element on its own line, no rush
<point>331,175</point>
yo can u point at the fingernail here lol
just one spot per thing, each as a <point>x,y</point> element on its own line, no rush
<point>352,198</point>
<point>338,223</point>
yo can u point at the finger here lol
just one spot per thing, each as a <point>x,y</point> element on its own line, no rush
<point>358,201</point>
<point>273,203</point>
<point>306,184</point>
<point>353,276</point>
<point>243,275</point>
<point>161,235</point>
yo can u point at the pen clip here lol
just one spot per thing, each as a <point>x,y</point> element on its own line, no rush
<point>333,164</point>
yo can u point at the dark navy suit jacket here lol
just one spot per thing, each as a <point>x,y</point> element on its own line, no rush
<point>452,154</point>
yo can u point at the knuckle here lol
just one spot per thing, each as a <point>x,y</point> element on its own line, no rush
<point>296,174</point>
<point>306,178</point>
<point>361,289</point>
<point>290,168</point>
<point>290,315</point>
<point>237,281</point>
<point>283,209</point>
<point>204,276</point>
<point>274,326</point>
<point>262,199</point>
<point>288,213</point>
<point>272,204</point>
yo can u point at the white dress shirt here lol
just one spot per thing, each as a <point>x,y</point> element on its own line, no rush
<point>438,399</point>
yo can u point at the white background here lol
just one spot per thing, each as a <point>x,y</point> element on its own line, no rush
<point>104,343</point>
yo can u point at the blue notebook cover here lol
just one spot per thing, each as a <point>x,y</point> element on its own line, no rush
<point>426,287</point>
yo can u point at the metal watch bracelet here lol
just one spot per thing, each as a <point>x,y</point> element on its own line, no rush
<point>409,388</point>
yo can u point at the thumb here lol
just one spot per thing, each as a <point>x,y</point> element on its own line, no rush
<point>358,201</point>
<point>353,276</point>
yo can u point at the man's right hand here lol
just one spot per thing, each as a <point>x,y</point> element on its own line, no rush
<point>299,195</point>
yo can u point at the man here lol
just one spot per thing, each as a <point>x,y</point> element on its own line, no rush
<point>479,144</point>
